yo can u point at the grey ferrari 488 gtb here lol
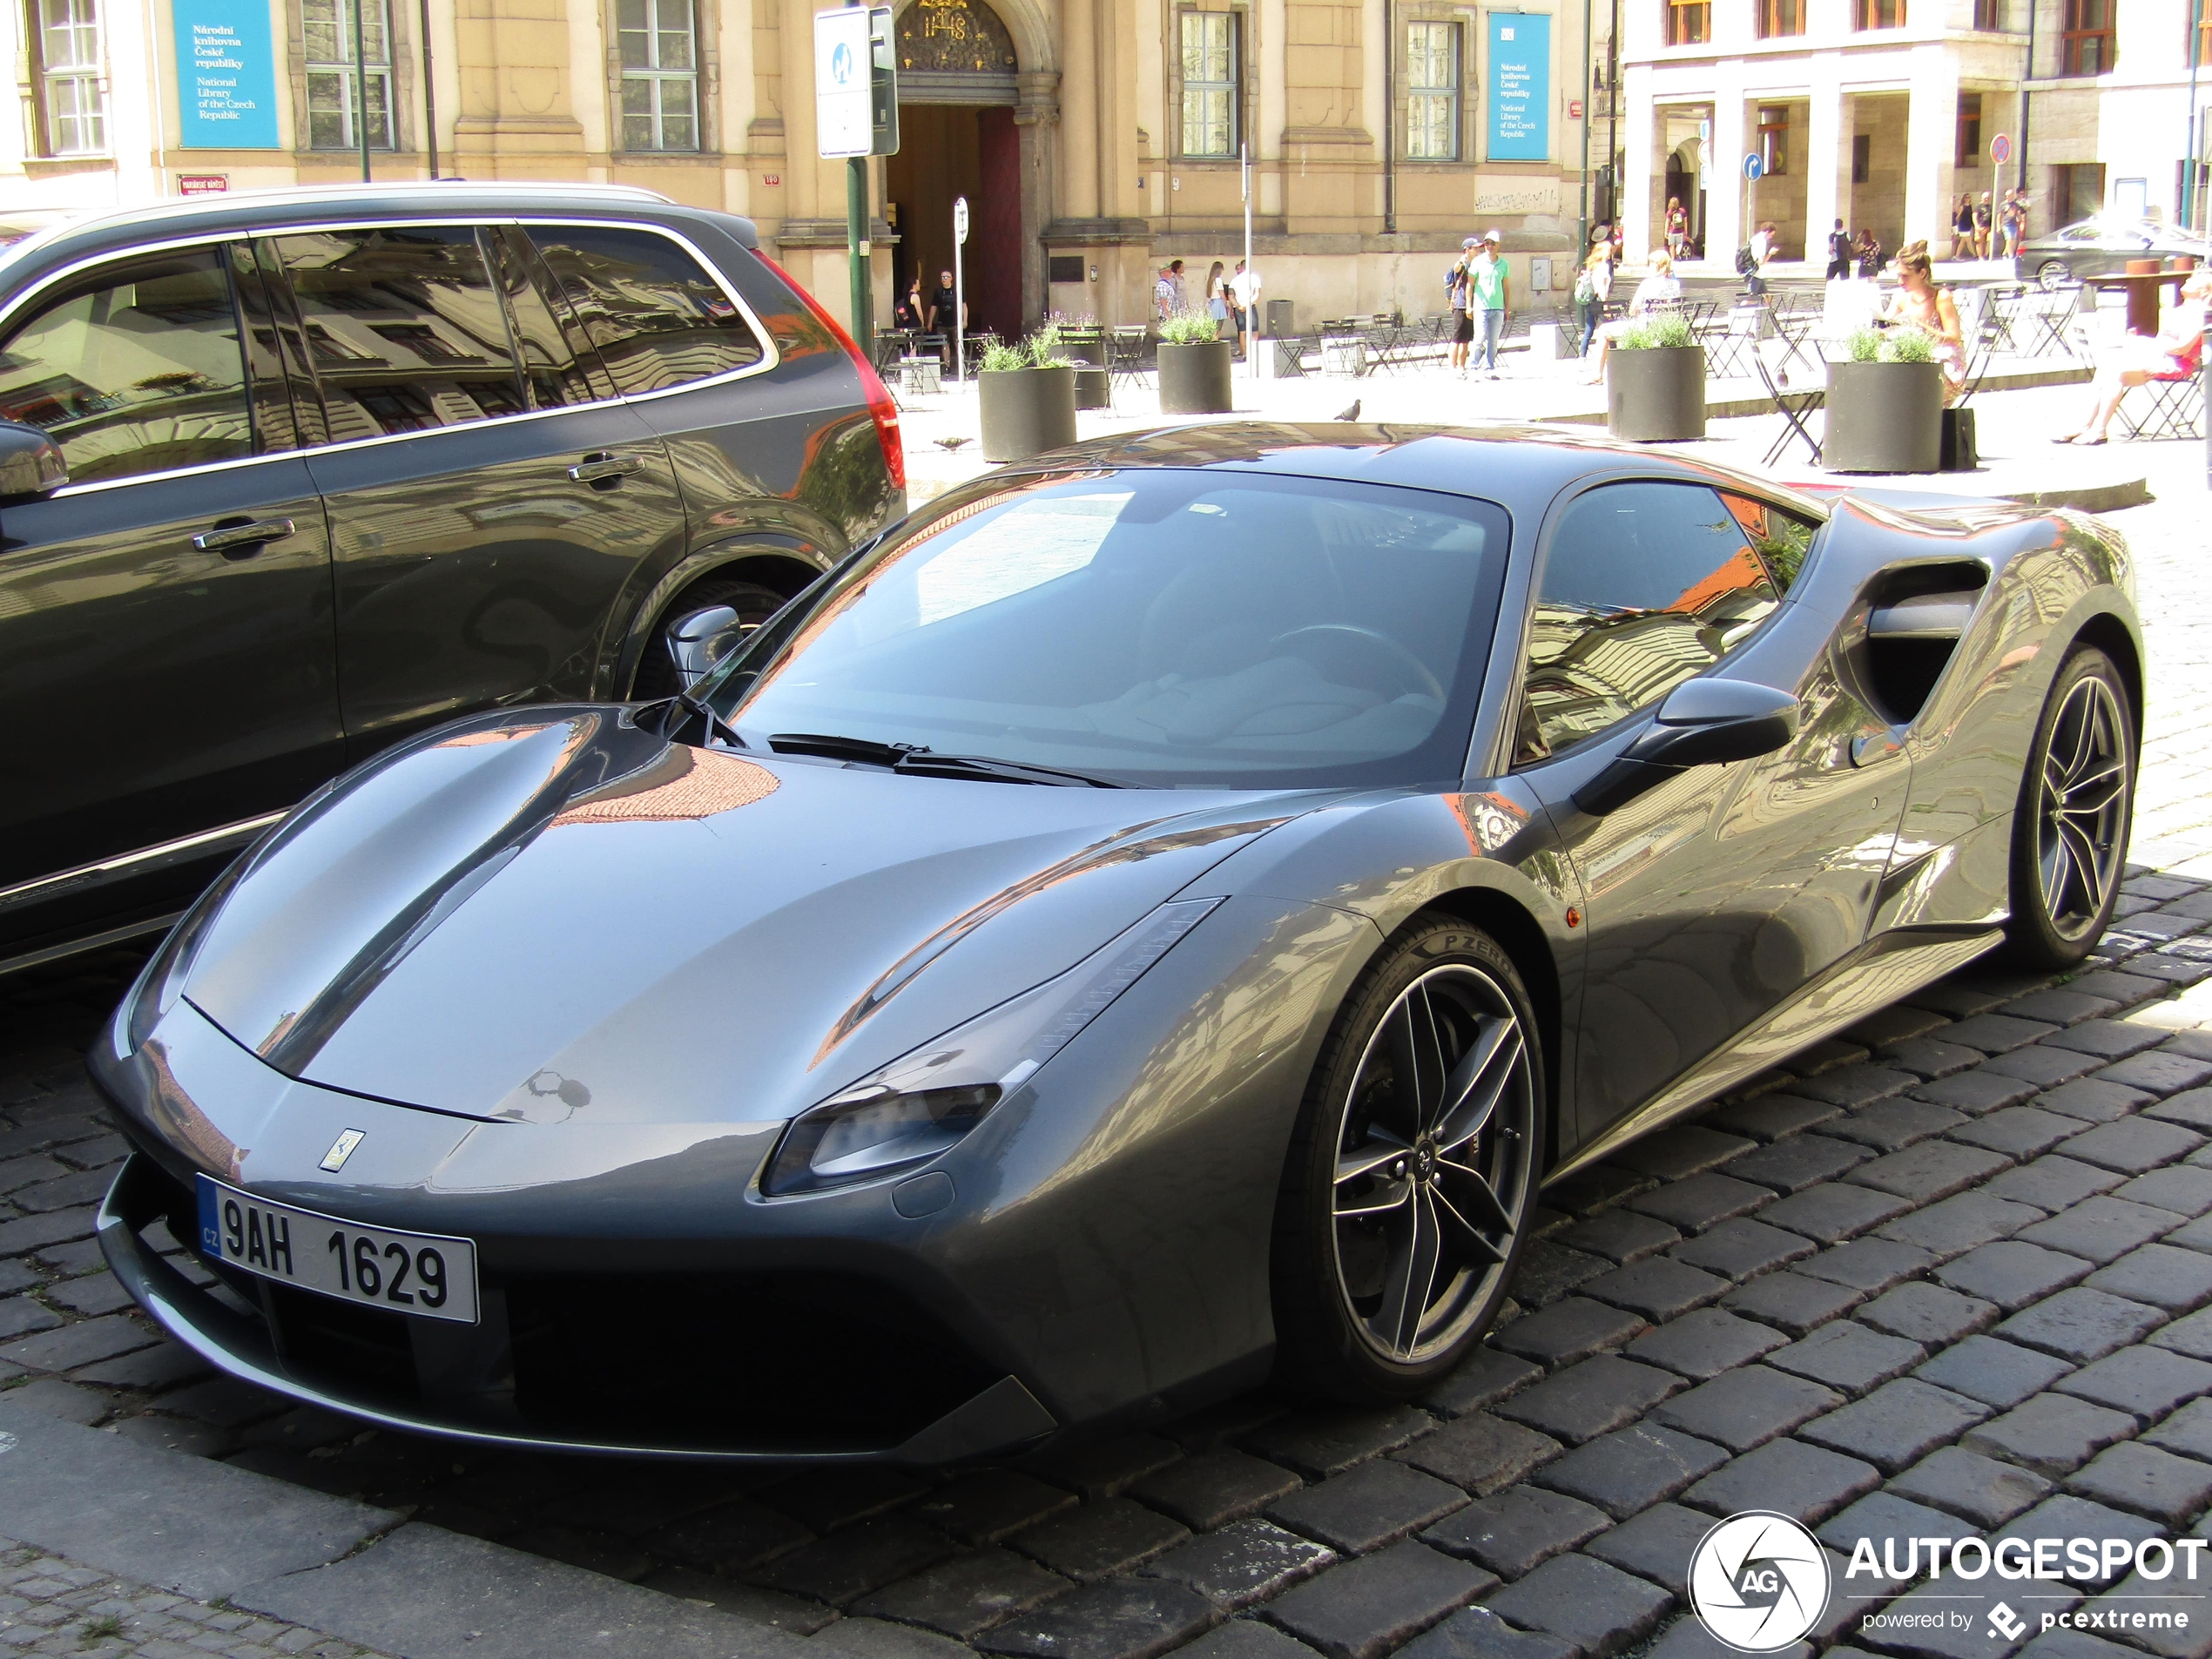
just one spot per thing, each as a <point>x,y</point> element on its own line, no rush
<point>1151,919</point>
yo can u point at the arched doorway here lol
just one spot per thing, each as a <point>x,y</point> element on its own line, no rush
<point>1683,186</point>
<point>957,137</point>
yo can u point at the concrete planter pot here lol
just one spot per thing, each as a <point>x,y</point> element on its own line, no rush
<point>1092,391</point>
<point>1884,417</point>
<point>1026,411</point>
<point>1656,395</point>
<point>1194,379</point>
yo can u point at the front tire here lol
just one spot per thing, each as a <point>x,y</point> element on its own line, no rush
<point>1412,1171</point>
<point>2070,827</point>
<point>2050,275</point>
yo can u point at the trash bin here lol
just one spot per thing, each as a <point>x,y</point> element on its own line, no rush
<point>1281,318</point>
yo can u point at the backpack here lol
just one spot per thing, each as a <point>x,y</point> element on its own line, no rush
<point>1584,287</point>
<point>1747,263</point>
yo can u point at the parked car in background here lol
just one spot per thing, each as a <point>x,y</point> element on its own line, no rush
<point>285,478</point>
<point>2099,247</point>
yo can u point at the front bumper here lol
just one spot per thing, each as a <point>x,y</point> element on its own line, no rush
<point>519,1381</point>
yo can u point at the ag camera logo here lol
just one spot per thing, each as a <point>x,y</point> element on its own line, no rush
<point>1758,1582</point>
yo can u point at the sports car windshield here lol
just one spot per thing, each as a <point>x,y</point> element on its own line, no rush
<point>1154,627</point>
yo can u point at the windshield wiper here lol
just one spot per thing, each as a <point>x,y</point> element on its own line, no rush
<point>919,759</point>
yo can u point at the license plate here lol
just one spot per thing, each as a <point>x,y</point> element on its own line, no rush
<point>422,1274</point>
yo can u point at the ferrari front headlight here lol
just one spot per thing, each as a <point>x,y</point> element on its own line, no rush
<point>921,1104</point>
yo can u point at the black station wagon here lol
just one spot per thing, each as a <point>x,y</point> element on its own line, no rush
<point>287,477</point>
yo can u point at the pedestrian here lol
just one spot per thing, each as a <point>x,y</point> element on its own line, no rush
<point>1217,299</point>
<point>1163,294</point>
<point>1962,229</point>
<point>1660,289</point>
<point>1762,250</point>
<point>1922,305</point>
<point>1459,288</point>
<point>1838,253</point>
<point>1677,226</point>
<point>1869,255</point>
<point>1491,295</point>
<point>1181,293</point>
<point>2012,220</point>
<point>2140,356</point>
<point>1593,287</point>
<point>909,312</point>
<point>944,306</point>
<point>1985,223</point>
<point>1244,292</point>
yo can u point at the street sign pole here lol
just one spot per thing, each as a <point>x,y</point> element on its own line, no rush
<point>857,250</point>
<point>959,288</point>
<point>852,86</point>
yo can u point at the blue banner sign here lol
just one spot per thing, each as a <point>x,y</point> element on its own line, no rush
<point>226,75</point>
<point>1520,86</point>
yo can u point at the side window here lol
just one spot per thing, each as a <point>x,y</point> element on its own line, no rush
<point>1645,585</point>
<point>134,368</point>
<point>658,319</point>
<point>404,326</point>
<point>1781,539</point>
<point>558,366</point>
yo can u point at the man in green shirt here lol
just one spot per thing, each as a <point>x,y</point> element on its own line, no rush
<point>1488,295</point>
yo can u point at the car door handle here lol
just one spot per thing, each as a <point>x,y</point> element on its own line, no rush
<point>243,540</point>
<point>601,468</point>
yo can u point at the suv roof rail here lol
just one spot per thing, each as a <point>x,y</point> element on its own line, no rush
<point>311,195</point>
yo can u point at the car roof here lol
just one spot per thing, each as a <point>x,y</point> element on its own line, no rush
<point>1520,467</point>
<point>245,209</point>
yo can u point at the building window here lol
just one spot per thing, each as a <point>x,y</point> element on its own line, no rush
<point>1774,139</point>
<point>1433,91</point>
<point>660,75</point>
<point>1878,14</point>
<point>2077,190</point>
<point>1689,23</point>
<point>1210,77</point>
<point>2200,45</point>
<point>1781,17</point>
<point>333,92</point>
<point>1989,16</point>
<point>1969,151</point>
<point>1862,157</point>
<point>2086,37</point>
<point>64,39</point>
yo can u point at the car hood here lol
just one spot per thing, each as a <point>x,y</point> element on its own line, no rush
<point>551,914</point>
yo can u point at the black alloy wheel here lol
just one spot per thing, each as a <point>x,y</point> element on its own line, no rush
<point>1413,1170</point>
<point>657,676</point>
<point>2051,274</point>
<point>2070,828</point>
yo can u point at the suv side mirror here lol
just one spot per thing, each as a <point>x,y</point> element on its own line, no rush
<point>1703,723</point>
<point>31,461</point>
<point>699,641</point>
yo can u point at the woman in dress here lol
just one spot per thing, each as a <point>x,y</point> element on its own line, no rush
<point>2140,356</point>
<point>1659,288</point>
<point>1920,304</point>
<point>1677,226</point>
<point>1217,300</point>
<point>1592,289</point>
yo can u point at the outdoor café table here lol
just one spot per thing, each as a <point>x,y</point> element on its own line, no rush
<point>2142,289</point>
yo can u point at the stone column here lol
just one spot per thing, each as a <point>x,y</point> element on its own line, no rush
<point>1643,129</point>
<point>1931,139</point>
<point>1725,229</point>
<point>517,117</point>
<point>1036,122</point>
<point>1115,26</point>
<point>1079,106</point>
<point>1827,159</point>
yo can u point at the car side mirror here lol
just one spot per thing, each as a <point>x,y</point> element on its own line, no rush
<point>31,463</point>
<point>1703,723</point>
<point>699,641</point>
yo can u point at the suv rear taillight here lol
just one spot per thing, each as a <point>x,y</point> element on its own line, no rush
<point>881,408</point>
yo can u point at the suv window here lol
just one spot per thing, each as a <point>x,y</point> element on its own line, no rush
<point>134,368</point>
<point>558,367</point>
<point>1645,585</point>
<point>405,327</point>
<point>658,317</point>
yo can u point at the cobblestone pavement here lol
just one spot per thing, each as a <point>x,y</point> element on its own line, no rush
<point>51,1606</point>
<point>1951,1271</point>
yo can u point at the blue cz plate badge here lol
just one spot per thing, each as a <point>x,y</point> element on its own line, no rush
<point>421,1274</point>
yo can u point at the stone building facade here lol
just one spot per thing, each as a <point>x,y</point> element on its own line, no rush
<point>1094,140</point>
<point>1883,112</point>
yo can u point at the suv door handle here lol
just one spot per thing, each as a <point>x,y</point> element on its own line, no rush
<point>244,539</point>
<point>605,468</point>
